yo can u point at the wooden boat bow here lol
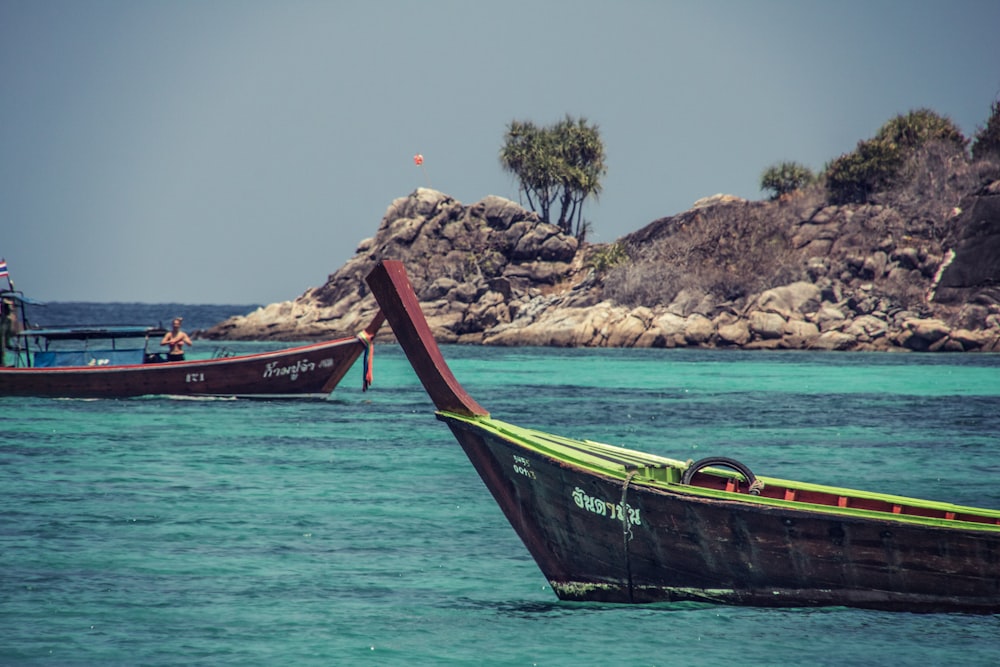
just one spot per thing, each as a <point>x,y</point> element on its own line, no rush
<point>395,295</point>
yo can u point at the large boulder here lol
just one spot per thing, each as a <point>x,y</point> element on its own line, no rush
<point>973,270</point>
<point>795,300</point>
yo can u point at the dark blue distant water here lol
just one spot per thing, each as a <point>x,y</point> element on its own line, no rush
<point>354,531</point>
<point>147,314</point>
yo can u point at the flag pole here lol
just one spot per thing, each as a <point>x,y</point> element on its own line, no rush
<point>6,273</point>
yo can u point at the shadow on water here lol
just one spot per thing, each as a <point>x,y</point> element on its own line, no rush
<point>533,609</point>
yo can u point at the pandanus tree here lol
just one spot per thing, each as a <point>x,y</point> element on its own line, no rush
<point>557,166</point>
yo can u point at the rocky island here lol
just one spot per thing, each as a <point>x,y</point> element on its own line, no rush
<point>912,273</point>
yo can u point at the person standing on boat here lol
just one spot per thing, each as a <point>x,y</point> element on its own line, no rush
<point>9,327</point>
<point>176,339</point>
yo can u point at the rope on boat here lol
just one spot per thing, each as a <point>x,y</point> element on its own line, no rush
<point>368,361</point>
<point>627,529</point>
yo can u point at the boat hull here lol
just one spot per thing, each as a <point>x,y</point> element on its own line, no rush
<point>304,371</point>
<point>611,524</point>
<point>601,538</point>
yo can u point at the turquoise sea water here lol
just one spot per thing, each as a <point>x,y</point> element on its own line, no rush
<point>354,531</point>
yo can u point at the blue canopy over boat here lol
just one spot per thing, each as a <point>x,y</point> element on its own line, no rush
<point>17,297</point>
<point>86,345</point>
<point>92,332</point>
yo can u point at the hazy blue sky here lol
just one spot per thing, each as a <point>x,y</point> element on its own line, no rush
<point>236,151</point>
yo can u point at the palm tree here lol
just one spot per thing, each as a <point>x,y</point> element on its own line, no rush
<point>564,163</point>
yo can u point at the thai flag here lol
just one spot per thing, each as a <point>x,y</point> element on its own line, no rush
<point>3,269</point>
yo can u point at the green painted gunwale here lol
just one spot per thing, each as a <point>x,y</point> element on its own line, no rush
<point>619,462</point>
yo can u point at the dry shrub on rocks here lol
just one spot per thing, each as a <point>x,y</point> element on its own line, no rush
<point>728,251</point>
<point>932,185</point>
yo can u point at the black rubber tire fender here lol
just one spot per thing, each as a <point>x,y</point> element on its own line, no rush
<point>724,462</point>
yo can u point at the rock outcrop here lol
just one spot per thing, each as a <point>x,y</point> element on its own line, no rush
<point>493,273</point>
<point>472,268</point>
<point>971,273</point>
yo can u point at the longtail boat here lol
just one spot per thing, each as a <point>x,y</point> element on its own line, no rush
<point>116,362</point>
<point>610,524</point>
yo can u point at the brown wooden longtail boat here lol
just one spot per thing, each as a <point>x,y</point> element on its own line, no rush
<point>115,362</point>
<point>610,524</point>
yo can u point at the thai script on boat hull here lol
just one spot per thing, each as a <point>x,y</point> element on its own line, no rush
<point>302,366</point>
<point>617,511</point>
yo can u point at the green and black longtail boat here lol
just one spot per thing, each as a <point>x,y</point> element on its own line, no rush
<point>610,524</point>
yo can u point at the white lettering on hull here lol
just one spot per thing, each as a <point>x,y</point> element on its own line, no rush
<point>522,466</point>
<point>291,371</point>
<point>615,511</point>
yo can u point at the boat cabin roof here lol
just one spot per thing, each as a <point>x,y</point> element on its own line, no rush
<point>93,332</point>
<point>18,297</point>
